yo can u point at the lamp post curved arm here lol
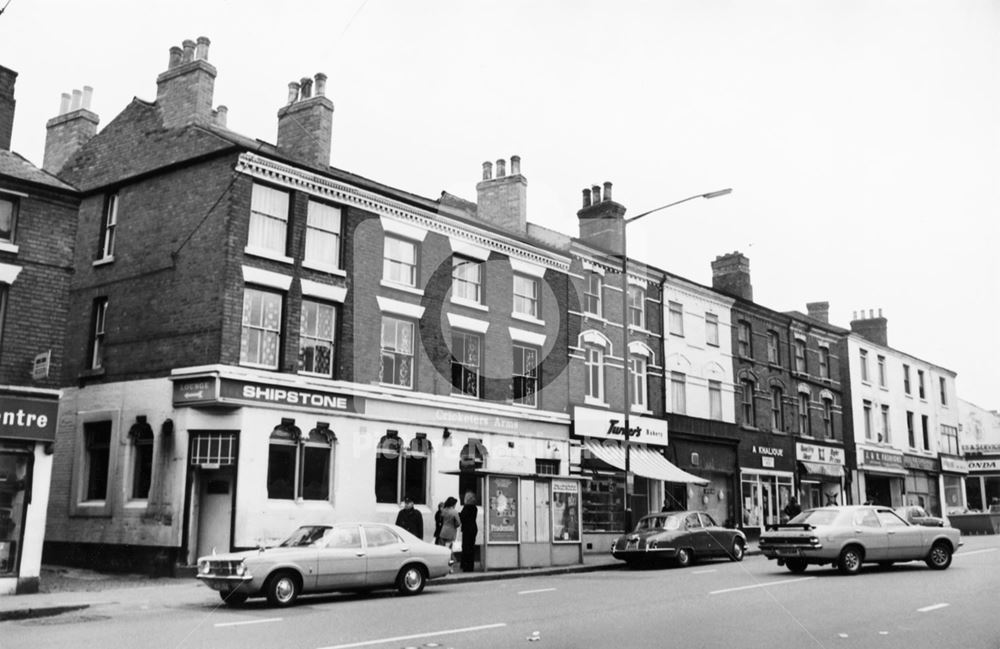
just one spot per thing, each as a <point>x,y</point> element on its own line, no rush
<point>626,359</point>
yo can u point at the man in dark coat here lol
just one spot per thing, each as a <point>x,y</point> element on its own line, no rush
<point>469,531</point>
<point>410,519</point>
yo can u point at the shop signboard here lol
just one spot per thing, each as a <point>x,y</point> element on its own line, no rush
<point>919,463</point>
<point>984,448</point>
<point>501,521</point>
<point>885,459</point>
<point>565,511</point>
<point>821,454</point>
<point>954,464</point>
<point>984,465</point>
<point>591,422</point>
<point>28,418</point>
<point>222,391</point>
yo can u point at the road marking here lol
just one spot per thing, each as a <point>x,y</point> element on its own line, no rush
<point>770,583</point>
<point>417,635</point>
<point>702,572</point>
<point>966,554</point>
<point>537,590</point>
<point>933,607</point>
<point>261,621</point>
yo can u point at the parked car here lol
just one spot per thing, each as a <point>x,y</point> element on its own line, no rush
<point>917,515</point>
<point>848,536</point>
<point>681,537</point>
<point>323,558</point>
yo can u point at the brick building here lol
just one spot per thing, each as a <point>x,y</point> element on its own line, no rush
<point>261,340</point>
<point>37,229</point>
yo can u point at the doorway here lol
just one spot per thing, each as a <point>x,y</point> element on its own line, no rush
<point>216,493</point>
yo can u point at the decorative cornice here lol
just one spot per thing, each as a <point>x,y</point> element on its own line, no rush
<point>300,180</point>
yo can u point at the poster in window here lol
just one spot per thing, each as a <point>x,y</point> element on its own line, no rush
<point>502,523</point>
<point>565,511</point>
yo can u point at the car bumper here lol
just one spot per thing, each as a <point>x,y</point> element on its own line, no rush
<point>229,584</point>
<point>809,553</point>
<point>644,553</point>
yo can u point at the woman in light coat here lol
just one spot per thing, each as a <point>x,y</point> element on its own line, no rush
<point>449,523</point>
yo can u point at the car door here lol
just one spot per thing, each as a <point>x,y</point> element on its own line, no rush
<point>385,552</point>
<point>870,534</point>
<point>905,541</point>
<point>342,563</point>
<point>697,538</point>
<point>715,537</point>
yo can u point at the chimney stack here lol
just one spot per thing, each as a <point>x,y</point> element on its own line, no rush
<point>503,200</point>
<point>600,219</point>
<point>184,91</point>
<point>7,80</point>
<point>69,130</point>
<point>731,275</point>
<point>819,311</point>
<point>873,328</point>
<point>305,123</point>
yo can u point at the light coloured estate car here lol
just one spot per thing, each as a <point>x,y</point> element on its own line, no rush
<point>849,536</point>
<point>324,558</point>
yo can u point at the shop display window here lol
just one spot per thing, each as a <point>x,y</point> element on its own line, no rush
<point>14,486</point>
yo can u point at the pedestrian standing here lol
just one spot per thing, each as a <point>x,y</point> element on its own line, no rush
<point>469,530</point>
<point>449,523</point>
<point>410,519</point>
<point>792,509</point>
<point>437,524</point>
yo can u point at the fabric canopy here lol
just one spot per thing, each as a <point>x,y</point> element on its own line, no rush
<point>818,468</point>
<point>643,461</point>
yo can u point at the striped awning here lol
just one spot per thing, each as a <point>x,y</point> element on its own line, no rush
<point>642,461</point>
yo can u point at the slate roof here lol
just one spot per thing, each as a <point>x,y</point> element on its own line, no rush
<point>14,166</point>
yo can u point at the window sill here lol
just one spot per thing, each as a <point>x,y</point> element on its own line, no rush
<point>398,387</point>
<point>467,397</point>
<point>591,401</point>
<point>527,318</point>
<point>640,330</point>
<point>469,304</point>
<point>92,373</point>
<point>268,254</point>
<point>8,247</point>
<point>324,268</point>
<point>270,368</point>
<point>594,316</point>
<point>317,375</point>
<point>643,411</point>
<point>401,287</point>
<point>103,261</point>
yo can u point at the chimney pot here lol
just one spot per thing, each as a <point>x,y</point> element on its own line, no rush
<point>88,94</point>
<point>880,312</point>
<point>501,168</point>
<point>64,103</point>
<point>202,49</point>
<point>586,198</point>
<point>77,100</point>
<point>175,57</point>
<point>871,313</point>
<point>515,165</point>
<point>305,86</point>
<point>188,54</point>
<point>487,170</point>
<point>293,92</point>
<point>221,115</point>
<point>607,191</point>
<point>595,193</point>
<point>320,84</point>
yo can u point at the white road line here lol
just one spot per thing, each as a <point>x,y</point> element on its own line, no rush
<point>966,554</point>
<point>261,621</point>
<point>367,643</point>
<point>770,583</point>
<point>702,572</point>
<point>933,607</point>
<point>537,590</point>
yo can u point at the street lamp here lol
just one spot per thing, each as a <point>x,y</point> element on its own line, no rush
<point>625,324</point>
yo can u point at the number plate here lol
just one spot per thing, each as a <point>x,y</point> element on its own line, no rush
<point>787,552</point>
<point>632,545</point>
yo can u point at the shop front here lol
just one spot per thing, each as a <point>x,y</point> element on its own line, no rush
<point>602,457</point>
<point>28,419</point>
<point>821,475</point>
<point>922,483</point>
<point>953,472</point>
<point>767,480</point>
<point>982,493</point>
<point>706,449</point>
<point>880,477</point>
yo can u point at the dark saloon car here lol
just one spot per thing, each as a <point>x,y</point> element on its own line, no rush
<point>917,515</point>
<point>680,537</point>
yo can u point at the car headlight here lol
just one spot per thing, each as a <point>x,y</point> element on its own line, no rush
<point>241,569</point>
<point>204,567</point>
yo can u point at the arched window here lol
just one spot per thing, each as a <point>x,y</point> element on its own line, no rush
<point>299,465</point>
<point>401,471</point>
<point>141,434</point>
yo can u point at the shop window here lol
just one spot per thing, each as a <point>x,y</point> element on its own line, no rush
<point>299,464</point>
<point>97,459</point>
<point>467,280</point>
<point>592,294</point>
<point>525,384</point>
<point>316,338</point>
<point>466,364</point>
<point>98,321</point>
<point>260,339</point>
<point>323,224</point>
<point>396,362</point>
<point>526,295</point>
<point>141,435</point>
<point>399,261</point>
<point>8,218</point>
<point>15,487</point>
<point>268,220</point>
<point>401,472</point>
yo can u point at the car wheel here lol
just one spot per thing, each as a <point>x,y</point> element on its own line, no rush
<point>233,597</point>
<point>850,560</point>
<point>738,550</point>
<point>939,557</point>
<point>798,566</point>
<point>683,558</point>
<point>411,580</point>
<point>282,589</point>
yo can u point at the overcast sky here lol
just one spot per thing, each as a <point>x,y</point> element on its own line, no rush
<point>861,138</point>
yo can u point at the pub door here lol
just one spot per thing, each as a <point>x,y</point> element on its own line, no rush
<point>216,493</point>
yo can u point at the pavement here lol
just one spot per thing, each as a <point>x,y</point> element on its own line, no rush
<point>65,590</point>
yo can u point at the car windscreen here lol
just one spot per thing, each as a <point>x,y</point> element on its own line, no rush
<point>304,536</point>
<point>815,517</point>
